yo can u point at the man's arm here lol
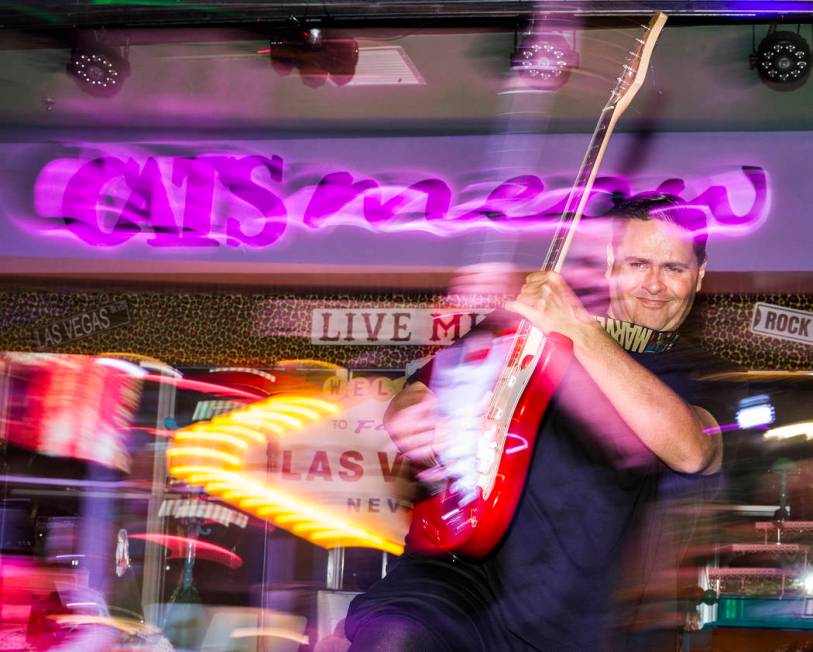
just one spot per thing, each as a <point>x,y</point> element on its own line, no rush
<point>668,426</point>
<point>686,438</point>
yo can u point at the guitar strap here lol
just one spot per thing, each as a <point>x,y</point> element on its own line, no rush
<point>636,338</point>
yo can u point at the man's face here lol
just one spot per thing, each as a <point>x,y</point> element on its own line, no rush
<point>653,275</point>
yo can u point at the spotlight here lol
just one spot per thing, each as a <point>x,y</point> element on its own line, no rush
<point>755,411</point>
<point>316,55</point>
<point>100,72</point>
<point>782,60</point>
<point>545,58</point>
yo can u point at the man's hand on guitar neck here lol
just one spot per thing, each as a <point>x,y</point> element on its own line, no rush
<point>547,301</point>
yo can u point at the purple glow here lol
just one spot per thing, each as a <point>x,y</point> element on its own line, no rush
<point>732,426</point>
<point>209,200</point>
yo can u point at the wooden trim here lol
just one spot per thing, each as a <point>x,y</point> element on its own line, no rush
<point>36,271</point>
<point>758,283</point>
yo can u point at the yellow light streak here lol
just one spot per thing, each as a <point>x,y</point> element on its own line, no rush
<point>289,408</point>
<point>246,425</point>
<point>275,632</point>
<point>216,488</point>
<point>218,425</point>
<point>216,437</point>
<point>280,517</point>
<point>201,471</point>
<point>309,401</point>
<point>199,451</point>
<point>123,624</point>
<point>231,494</point>
<point>251,503</point>
<point>801,429</point>
<point>257,418</point>
<point>303,362</point>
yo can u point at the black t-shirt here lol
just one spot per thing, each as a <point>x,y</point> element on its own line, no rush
<point>589,483</point>
<point>549,584</point>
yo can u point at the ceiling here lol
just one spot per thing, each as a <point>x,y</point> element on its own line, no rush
<point>58,14</point>
<point>214,79</point>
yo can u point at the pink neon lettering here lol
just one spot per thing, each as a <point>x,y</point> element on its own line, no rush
<point>255,216</point>
<point>333,193</point>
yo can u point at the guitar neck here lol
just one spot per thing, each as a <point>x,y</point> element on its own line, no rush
<point>579,194</point>
<point>632,77</point>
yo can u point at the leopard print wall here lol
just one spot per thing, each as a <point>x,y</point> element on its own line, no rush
<point>721,323</point>
<point>202,327</point>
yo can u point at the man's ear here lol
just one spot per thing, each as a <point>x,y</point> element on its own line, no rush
<point>700,274</point>
<point>611,261</point>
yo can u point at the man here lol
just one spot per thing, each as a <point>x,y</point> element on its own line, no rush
<point>620,424</point>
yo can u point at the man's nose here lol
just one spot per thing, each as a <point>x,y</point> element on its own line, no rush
<point>653,283</point>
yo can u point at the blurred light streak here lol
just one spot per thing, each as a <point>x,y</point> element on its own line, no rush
<point>258,416</point>
<point>759,374</point>
<point>233,486</point>
<point>244,370</point>
<point>125,625</point>
<point>298,410</point>
<point>155,363</point>
<point>318,526</point>
<point>222,424</point>
<point>317,403</point>
<point>199,451</point>
<point>309,362</point>
<point>275,632</point>
<point>122,365</point>
<point>177,546</point>
<point>713,430</point>
<point>801,429</point>
<point>753,416</point>
<point>201,386</point>
<point>215,437</point>
<point>157,432</point>
<point>63,482</point>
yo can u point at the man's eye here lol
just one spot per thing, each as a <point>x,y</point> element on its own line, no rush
<point>637,265</point>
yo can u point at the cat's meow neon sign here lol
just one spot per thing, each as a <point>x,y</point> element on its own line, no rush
<point>242,201</point>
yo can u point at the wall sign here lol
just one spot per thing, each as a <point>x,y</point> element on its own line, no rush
<point>392,326</point>
<point>81,325</point>
<point>248,201</point>
<point>782,323</point>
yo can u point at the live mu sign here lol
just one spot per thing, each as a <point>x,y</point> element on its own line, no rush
<point>392,326</point>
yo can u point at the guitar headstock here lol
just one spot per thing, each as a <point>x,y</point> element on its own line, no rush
<point>635,68</point>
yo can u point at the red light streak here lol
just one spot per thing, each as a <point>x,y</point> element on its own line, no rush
<point>203,549</point>
<point>209,388</point>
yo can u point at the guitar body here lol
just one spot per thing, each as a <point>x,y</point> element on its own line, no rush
<point>441,524</point>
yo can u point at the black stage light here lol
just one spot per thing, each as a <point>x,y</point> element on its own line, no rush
<point>782,60</point>
<point>99,71</point>
<point>545,59</point>
<point>316,55</point>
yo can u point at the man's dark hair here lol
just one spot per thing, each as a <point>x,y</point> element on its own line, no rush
<point>664,208</point>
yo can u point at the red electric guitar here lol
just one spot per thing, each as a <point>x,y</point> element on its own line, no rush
<point>488,458</point>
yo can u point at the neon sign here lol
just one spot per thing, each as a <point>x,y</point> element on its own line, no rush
<point>242,201</point>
